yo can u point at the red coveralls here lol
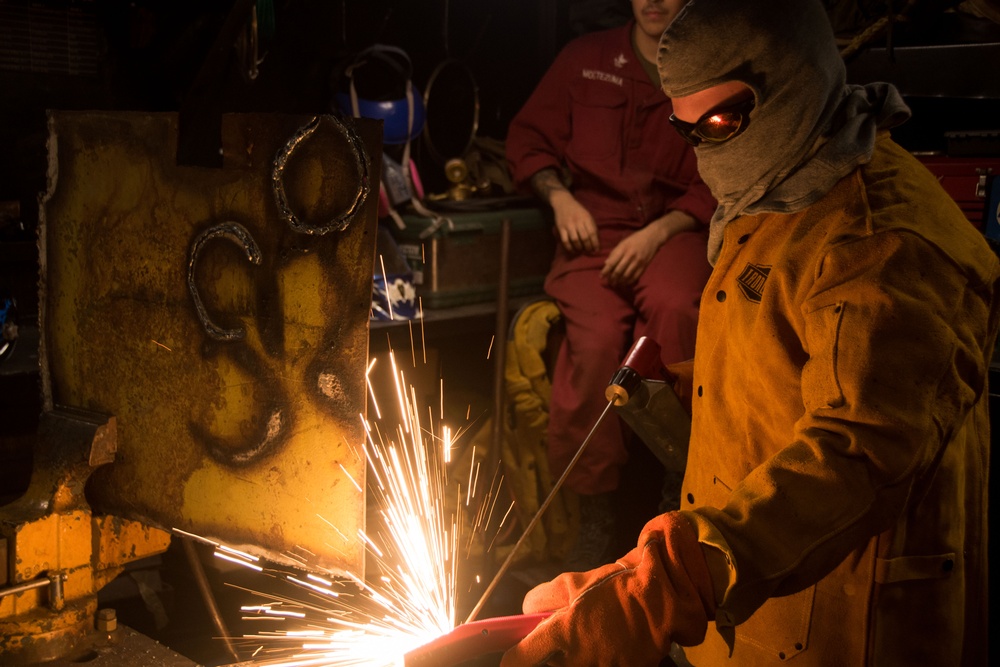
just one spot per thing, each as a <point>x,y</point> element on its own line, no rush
<point>597,114</point>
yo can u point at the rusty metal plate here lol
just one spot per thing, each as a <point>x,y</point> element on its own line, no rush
<point>221,315</point>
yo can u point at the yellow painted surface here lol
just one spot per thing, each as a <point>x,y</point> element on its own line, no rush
<point>119,541</point>
<point>54,542</point>
<point>88,552</point>
<point>253,442</point>
<point>40,635</point>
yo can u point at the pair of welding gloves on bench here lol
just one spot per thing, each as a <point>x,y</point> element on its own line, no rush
<point>627,612</point>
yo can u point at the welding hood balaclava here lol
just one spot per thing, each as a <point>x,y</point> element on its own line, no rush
<point>808,128</point>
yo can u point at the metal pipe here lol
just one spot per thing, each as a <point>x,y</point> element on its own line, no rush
<point>500,345</point>
<point>206,594</point>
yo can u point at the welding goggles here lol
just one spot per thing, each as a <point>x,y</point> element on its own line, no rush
<point>716,126</point>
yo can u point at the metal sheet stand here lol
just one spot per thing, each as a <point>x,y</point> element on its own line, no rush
<point>500,347</point>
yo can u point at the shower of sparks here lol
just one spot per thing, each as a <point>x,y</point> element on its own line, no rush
<point>423,528</point>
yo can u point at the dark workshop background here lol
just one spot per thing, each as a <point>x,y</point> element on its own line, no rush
<point>194,57</point>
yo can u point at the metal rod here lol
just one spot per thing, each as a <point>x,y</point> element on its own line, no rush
<point>20,588</point>
<point>538,515</point>
<point>53,580</point>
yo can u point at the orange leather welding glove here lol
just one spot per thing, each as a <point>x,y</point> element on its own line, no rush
<point>627,612</point>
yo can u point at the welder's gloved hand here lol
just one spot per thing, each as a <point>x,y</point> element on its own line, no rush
<point>627,612</point>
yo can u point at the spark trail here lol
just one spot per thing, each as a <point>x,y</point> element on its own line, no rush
<point>422,526</point>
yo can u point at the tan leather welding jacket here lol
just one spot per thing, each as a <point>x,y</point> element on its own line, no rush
<point>840,438</point>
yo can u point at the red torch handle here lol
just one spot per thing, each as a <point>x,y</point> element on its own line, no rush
<point>641,363</point>
<point>470,640</point>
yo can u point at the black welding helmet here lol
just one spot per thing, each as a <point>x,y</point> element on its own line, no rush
<point>377,83</point>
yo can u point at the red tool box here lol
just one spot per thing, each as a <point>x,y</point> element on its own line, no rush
<point>973,183</point>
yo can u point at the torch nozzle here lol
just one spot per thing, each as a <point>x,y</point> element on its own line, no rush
<point>641,363</point>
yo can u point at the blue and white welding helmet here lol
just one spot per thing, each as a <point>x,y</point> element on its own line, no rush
<point>377,83</point>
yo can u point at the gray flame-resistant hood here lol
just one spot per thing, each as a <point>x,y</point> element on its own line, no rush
<point>809,128</point>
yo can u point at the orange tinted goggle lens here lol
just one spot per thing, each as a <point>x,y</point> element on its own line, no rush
<point>716,126</point>
<point>720,126</point>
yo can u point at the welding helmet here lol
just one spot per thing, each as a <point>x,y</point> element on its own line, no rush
<point>377,83</point>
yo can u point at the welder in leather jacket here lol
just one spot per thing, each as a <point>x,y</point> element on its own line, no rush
<point>834,503</point>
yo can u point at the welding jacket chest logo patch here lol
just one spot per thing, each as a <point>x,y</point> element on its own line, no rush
<point>751,281</point>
